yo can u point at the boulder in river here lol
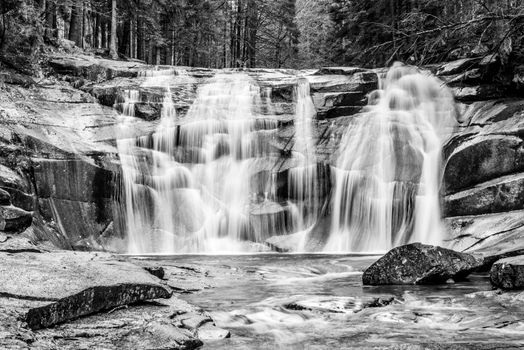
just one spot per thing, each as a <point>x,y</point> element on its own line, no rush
<point>508,273</point>
<point>417,263</point>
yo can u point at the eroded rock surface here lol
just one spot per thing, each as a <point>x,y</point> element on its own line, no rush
<point>508,273</point>
<point>61,286</point>
<point>420,264</point>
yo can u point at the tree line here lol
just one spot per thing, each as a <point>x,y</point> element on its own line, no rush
<point>264,33</point>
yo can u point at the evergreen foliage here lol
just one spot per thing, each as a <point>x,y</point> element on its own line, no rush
<point>265,33</point>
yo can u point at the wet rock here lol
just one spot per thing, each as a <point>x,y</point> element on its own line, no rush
<point>339,304</point>
<point>363,82</point>
<point>339,70</point>
<point>157,271</point>
<point>508,273</point>
<point>336,112</point>
<point>269,218</point>
<point>193,321</point>
<point>287,243</point>
<point>210,332</point>
<point>60,286</point>
<point>498,195</point>
<point>13,219</point>
<point>5,197</point>
<point>479,93</point>
<point>420,264</point>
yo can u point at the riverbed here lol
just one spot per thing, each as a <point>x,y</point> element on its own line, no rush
<point>279,301</point>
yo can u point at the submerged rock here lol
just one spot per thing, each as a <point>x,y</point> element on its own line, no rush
<point>508,273</point>
<point>420,264</point>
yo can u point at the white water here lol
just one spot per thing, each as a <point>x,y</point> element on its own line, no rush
<point>387,176</point>
<point>302,179</point>
<point>206,182</point>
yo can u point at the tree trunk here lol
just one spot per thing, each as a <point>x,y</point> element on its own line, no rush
<point>75,25</point>
<point>124,44</point>
<point>50,20</point>
<point>140,42</point>
<point>112,45</point>
<point>252,33</point>
<point>96,31</point>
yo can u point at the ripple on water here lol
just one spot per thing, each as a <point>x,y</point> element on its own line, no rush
<point>318,302</point>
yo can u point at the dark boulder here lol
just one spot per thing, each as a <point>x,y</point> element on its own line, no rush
<point>417,263</point>
<point>508,273</point>
<point>14,220</point>
<point>157,271</point>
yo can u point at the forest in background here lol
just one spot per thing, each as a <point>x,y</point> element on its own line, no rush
<point>264,33</point>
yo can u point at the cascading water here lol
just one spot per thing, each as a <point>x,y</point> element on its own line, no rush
<point>228,143</point>
<point>303,182</point>
<point>387,176</point>
<point>207,181</point>
<point>202,183</point>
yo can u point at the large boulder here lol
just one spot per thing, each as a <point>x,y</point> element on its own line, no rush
<point>53,288</point>
<point>508,273</point>
<point>417,263</point>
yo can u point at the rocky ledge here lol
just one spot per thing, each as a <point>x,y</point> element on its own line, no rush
<point>91,300</point>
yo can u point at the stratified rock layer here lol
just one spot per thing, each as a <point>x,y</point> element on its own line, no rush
<point>420,264</point>
<point>508,273</point>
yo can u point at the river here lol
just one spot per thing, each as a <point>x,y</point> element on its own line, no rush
<point>283,301</point>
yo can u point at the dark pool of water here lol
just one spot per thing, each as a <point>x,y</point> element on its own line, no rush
<point>252,294</point>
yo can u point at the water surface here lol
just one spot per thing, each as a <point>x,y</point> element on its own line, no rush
<point>271,301</point>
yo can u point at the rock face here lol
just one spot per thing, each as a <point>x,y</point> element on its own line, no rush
<point>483,173</point>
<point>508,273</point>
<point>420,264</point>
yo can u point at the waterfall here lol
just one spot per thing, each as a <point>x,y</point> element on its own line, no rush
<point>211,180</point>
<point>302,179</point>
<point>387,176</point>
<point>202,183</point>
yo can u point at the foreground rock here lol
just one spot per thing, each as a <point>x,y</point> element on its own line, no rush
<point>56,287</point>
<point>420,264</point>
<point>508,273</point>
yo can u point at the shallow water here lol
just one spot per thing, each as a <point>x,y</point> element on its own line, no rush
<point>318,302</point>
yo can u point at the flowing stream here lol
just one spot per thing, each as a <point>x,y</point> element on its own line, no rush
<point>289,301</point>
